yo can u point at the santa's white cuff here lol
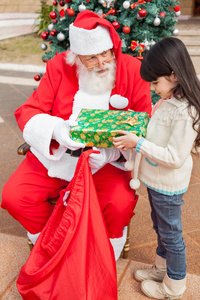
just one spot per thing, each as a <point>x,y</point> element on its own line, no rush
<point>38,133</point>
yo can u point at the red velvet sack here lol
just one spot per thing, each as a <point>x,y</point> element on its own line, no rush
<point>72,258</point>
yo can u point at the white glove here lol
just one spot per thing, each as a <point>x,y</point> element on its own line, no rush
<point>61,134</point>
<point>106,155</point>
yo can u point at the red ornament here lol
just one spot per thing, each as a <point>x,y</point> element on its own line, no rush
<point>44,36</point>
<point>62,3</point>
<point>116,24</point>
<point>177,8</point>
<point>142,13</point>
<point>53,15</point>
<point>62,13</point>
<point>55,21</point>
<point>52,33</point>
<point>149,0</point>
<point>55,3</point>
<point>162,14</point>
<point>70,12</point>
<point>126,29</point>
<point>37,77</point>
<point>68,1</point>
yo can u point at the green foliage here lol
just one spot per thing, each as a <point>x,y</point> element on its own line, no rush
<point>43,19</point>
<point>144,31</point>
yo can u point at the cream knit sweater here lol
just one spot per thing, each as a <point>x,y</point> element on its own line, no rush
<point>166,162</point>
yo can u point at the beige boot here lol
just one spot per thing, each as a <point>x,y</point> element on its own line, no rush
<point>157,272</point>
<point>169,289</point>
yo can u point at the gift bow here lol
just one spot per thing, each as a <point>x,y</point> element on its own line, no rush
<point>137,3</point>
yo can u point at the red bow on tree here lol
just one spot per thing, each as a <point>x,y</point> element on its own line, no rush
<point>137,3</point>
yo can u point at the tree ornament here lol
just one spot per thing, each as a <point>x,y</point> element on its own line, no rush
<point>60,37</point>
<point>50,27</point>
<point>156,21</point>
<point>70,12</point>
<point>37,77</point>
<point>162,14</point>
<point>44,36</point>
<point>116,24</point>
<point>43,46</point>
<point>142,13</point>
<point>141,48</point>
<point>62,3</point>
<point>53,33</point>
<point>55,3</point>
<point>133,45</point>
<point>146,44</point>
<point>137,3</point>
<point>176,31</point>
<point>62,13</point>
<point>177,8</point>
<point>149,0</point>
<point>126,4</point>
<point>152,42</point>
<point>138,17</point>
<point>53,15</point>
<point>68,1</point>
<point>178,13</point>
<point>81,7</point>
<point>101,1</point>
<point>126,29</point>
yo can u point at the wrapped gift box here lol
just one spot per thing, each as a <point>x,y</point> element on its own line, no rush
<point>97,127</point>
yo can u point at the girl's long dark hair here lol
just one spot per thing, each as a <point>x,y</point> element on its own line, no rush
<point>170,54</point>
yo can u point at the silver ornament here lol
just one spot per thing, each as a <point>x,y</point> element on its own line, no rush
<point>81,7</point>
<point>126,4</point>
<point>43,46</point>
<point>152,42</point>
<point>178,13</point>
<point>50,27</point>
<point>60,37</point>
<point>138,17</point>
<point>156,21</point>
<point>176,31</point>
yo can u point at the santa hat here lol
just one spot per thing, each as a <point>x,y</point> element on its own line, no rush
<point>89,41</point>
<point>134,167</point>
<point>88,24</point>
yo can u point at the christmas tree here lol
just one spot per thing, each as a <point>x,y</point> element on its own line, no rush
<point>140,24</point>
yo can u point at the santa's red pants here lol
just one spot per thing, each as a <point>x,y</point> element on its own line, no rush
<point>26,192</point>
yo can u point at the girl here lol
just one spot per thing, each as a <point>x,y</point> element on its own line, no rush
<point>166,163</point>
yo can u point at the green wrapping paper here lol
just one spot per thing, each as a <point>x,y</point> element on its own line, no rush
<point>97,127</point>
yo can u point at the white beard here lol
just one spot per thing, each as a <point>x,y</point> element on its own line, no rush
<point>93,82</point>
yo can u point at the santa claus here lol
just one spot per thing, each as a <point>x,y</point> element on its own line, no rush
<point>92,74</point>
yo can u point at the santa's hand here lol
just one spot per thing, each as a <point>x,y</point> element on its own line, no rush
<point>62,135</point>
<point>106,155</point>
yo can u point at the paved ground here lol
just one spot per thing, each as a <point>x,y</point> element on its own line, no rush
<point>15,87</point>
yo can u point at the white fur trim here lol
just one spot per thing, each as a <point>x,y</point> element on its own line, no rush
<point>88,42</point>
<point>38,133</point>
<point>135,183</point>
<point>118,101</point>
<point>33,237</point>
<point>118,243</point>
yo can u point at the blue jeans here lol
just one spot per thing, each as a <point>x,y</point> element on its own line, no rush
<point>166,216</point>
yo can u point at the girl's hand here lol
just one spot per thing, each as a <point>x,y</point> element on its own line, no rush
<point>128,140</point>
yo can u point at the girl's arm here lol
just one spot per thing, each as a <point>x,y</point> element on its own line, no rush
<point>176,151</point>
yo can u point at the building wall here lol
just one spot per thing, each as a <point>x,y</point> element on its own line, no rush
<point>32,6</point>
<point>21,6</point>
<point>187,7</point>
